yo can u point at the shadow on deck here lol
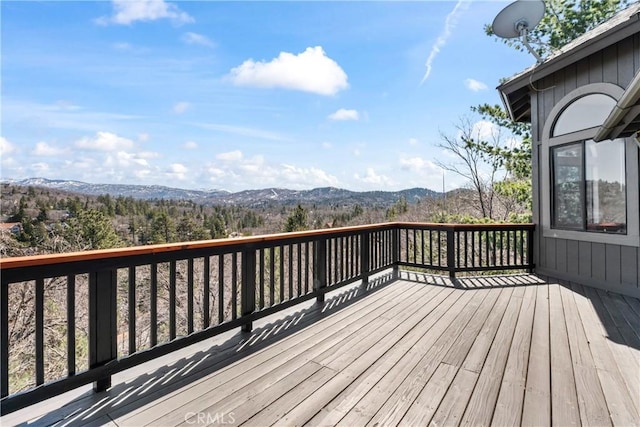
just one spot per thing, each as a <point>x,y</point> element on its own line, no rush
<point>514,349</point>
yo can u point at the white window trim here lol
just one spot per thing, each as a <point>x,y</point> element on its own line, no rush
<point>632,238</point>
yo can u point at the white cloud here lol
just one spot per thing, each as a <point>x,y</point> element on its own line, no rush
<point>310,71</point>
<point>231,156</point>
<point>243,131</point>
<point>327,145</point>
<point>449,25</point>
<point>475,85</point>
<point>190,145</point>
<point>39,168</point>
<point>177,171</point>
<point>122,46</point>
<point>420,165</point>
<point>104,141</point>
<point>199,39</point>
<point>5,146</point>
<point>485,130</point>
<point>143,137</point>
<point>126,12</point>
<point>413,141</point>
<point>44,149</point>
<point>343,114</point>
<point>181,107</point>
<point>256,172</point>
<point>371,177</point>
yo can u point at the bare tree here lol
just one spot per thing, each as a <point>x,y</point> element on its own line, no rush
<point>470,164</point>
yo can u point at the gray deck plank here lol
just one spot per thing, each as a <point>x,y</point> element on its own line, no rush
<point>397,404</point>
<point>428,400</point>
<point>485,394</point>
<point>412,346</point>
<point>411,353</point>
<point>537,397</point>
<point>508,408</point>
<point>334,328</point>
<point>313,405</point>
<point>621,406</point>
<point>564,405</point>
<point>624,356</point>
<point>284,363</point>
<point>591,400</point>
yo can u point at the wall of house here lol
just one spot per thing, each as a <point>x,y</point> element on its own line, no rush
<point>608,266</point>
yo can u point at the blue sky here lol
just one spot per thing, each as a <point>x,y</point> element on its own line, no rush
<point>242,95</point>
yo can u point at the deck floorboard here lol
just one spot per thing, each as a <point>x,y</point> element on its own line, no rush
<point>421,350</point>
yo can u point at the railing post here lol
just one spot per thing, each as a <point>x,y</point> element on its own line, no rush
<point>102,323</point>
<point>395,243</point>
<point>248,287</point>
<point>451,252</point>
<point>364,257</point>
<point>320,268</point>
<point>530,250</point>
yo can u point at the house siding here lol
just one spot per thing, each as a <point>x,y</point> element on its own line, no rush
<point>603,265</point>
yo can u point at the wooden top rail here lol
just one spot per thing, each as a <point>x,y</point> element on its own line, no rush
<point>50,259</point>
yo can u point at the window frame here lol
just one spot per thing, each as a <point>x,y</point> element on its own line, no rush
<point>545,178</point>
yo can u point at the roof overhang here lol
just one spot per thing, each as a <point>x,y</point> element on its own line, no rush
<point>515,91</point>
<point>624,119</point>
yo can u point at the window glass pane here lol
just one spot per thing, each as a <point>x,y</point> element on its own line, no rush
<point>606,186</point>
<point>584,113</point>
<point>568,198</point>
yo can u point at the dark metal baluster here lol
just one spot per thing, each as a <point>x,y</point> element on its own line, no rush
<point>71,326</point>
<point>334,267</point>
<point>406,239</point>
<point>473,248</point>
<point>299,245</point>
<point>220,288</point>
<point>501,247</point>
<point>206,310</point>
<point>466,249</point>
<point>272,275</point>
<point>234,285</point>
<point>307,263</point>
<point>486,243</point>
<point>290,264</point>
<point>415,246</point>
<point>281,273</point>
<point>39,331</point>
<point>132,309</point>
<point>248,286</point>
<point>261,278</point>
<point>172,300</point>
<point>522,247</point>
<point>439,248</point>
<point>509,248</point>
<point>4,339</point>
<point>430,247</point>
<point>457,260</point>
<point>495,244</point>
<point>153,306</point>
<point>190,296</point>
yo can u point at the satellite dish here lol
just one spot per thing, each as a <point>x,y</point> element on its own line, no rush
<point>517,19</point>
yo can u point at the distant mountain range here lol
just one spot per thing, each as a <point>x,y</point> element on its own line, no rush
<point>252,198</point>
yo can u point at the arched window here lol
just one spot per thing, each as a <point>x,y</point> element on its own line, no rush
<point>583,113</point>
<point>584,184</point>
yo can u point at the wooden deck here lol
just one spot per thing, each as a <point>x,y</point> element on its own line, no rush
<point>503,350</point>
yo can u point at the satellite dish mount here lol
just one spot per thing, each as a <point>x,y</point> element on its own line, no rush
<point>517,19</point>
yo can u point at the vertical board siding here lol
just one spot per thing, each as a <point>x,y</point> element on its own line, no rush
<point>585,259</point>
<point>598,258</point>
<point>613,265</point>
<point>573,257</point>
<point>561,255</point>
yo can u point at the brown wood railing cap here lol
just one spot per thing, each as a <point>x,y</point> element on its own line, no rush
<point>46,259</point>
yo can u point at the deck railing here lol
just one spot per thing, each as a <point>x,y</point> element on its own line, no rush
<point>123,307</point>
